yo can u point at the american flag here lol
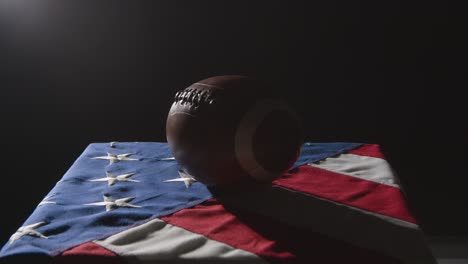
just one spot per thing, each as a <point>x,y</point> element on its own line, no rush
<point>131,202</point>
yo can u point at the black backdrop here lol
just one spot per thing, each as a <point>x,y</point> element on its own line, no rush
<point>77,72</point>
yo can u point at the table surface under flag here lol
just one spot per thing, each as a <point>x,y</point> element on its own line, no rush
<point>130,202</point>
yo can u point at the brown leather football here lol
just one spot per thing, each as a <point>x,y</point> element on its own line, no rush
<point>228,130</point>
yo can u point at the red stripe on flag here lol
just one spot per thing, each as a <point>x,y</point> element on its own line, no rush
<point>88,252</point>
<point>212,220</point>
<point>351,191</point>
<point>370,150</point>
<point>271,240</point>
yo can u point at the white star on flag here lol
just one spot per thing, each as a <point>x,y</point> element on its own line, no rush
<point>28,230</point>
<point>47,201</point>
<point>111,179</point>
<point>113,158</point>
<point>171,158</point>
<point>110,203</point>
<point>185,177</point>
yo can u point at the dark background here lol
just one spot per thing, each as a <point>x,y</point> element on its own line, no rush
<point>390,73</point>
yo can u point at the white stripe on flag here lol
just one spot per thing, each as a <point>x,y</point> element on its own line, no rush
<point>390,236</point>
<point>363,167</point>
<point>157,240</point>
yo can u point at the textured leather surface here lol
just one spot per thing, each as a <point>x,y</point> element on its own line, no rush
<point>205,117</point>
